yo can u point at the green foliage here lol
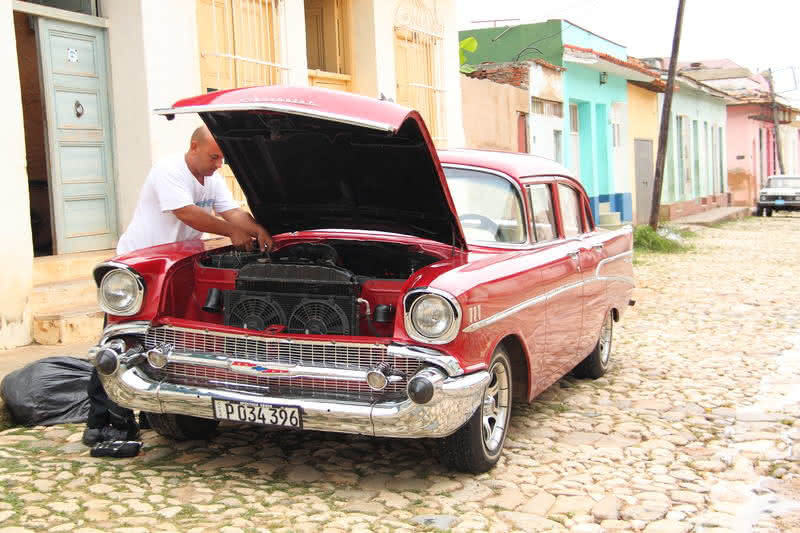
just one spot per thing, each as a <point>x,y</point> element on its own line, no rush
<point>470,44</point>
<point>646,239</point>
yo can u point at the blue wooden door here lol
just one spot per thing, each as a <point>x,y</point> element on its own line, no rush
<point>77,110</point>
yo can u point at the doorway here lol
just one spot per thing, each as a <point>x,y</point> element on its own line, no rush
<point>33,120</point>
<point>643,154</point>
<point>66,116</point>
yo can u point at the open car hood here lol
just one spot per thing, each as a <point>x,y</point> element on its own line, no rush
<point>309,158</point>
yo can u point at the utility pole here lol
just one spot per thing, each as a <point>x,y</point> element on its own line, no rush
<point>775,119</point>
<point>664,130</point>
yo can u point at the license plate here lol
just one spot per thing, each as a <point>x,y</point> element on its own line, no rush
<point>778,202</point>
<point>259,413</point>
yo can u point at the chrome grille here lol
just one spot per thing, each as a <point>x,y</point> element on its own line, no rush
<point>306,353</point>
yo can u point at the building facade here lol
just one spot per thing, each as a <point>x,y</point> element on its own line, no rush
<point>752,147</point>
<point>86,75</point>
<point>593,140</point>
<point>642,136</point>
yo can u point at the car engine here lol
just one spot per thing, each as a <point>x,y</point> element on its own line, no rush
<point>308,288</point>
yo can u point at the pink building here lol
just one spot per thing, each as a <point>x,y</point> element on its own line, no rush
<point>751,137</point>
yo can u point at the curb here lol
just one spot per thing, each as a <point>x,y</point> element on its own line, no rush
<point>737,214</point>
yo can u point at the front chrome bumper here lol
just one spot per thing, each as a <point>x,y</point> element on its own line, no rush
<point>454,401</point>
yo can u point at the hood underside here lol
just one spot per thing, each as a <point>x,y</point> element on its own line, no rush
<point>319,168</point>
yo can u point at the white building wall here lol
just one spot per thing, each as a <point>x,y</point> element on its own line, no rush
<point>154,62</point>
<point>543,130</point>
<point>386,80</point>
<point>293,42</point>
<point>15,282</point>
<point>790,149</point>
<point>546,84</point>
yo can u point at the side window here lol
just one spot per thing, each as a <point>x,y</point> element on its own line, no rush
<point>570,211</point>
<point>544,220</point>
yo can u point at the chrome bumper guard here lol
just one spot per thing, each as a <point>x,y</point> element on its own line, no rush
<point>454,400</point>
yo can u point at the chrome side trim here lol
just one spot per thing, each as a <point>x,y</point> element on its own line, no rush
<point>280,108</point>
<point>550,294</point>
<point>507,313</point>
<point>449,334</point>
<point>453,403</point>
<point>607,260</point>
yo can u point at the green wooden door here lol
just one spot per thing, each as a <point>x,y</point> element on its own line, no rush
<point>77,111</point>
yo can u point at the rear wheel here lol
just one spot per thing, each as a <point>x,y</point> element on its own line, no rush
<point>182,427</point>
<point>596,363</point>
<point>477,445</point>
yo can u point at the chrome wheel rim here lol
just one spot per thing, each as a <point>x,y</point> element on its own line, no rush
<point>604,344</point>
<point>494,409</point>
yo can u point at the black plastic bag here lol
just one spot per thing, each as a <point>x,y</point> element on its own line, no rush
<point>48,391</point>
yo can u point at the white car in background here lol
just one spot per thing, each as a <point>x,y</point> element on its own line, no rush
<point>782,193</point>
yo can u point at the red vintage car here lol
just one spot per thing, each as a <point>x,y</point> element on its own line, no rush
<point>411,293</point>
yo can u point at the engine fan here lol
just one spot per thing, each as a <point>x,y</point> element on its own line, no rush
<point>318,317</point>
<point>255,312</point>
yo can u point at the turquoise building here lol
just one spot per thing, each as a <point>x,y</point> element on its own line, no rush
<point>595,95</point>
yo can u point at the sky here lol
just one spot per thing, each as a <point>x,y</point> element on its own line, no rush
<point>757,34</point>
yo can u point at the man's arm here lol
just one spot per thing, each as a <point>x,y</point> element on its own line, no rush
<point>244,220</point>
<point>199,219</point>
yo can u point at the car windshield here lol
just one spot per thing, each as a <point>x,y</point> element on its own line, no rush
<point>784,183</point>
<point>488,206</point>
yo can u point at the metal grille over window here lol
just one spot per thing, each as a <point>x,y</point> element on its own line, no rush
<point>418,37</point>
<point>239,47</point>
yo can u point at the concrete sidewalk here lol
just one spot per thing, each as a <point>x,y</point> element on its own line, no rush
<point>714,216</point>
<point>11,360</point>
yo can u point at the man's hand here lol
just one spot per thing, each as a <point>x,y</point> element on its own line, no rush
<point>264,240</point>
<point>241,239</point>
<point>243,220</point>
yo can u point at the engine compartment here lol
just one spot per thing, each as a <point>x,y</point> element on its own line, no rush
<point>331,287</point>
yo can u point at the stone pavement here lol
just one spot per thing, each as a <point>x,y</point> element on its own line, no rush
<point>696,428</point>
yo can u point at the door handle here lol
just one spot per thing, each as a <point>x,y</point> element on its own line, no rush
<point>597,247</point>
<point>573,254</point>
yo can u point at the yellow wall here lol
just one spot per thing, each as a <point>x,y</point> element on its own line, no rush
<point>642,124</point>
<point>490,113</point>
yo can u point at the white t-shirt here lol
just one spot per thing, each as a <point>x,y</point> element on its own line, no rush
<point>171,185</point>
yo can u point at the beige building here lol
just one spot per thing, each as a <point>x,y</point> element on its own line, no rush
<point>85,76</point>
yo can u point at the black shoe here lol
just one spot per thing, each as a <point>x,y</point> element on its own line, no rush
<point>110,433</point>
<point>92,436</point>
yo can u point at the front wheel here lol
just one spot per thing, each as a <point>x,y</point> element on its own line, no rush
<point>182,427</point>
<point>477,445</point>
<point>596,363</point>
<point>769,211</point>
<point>759,211</point>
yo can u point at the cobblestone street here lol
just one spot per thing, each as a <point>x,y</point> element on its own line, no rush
<point>695,428</point>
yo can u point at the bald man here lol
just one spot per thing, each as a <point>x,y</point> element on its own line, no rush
<point>177,199</point>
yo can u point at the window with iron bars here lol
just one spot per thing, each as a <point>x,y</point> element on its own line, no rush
<point>239,43</point>
<point>239,47</point>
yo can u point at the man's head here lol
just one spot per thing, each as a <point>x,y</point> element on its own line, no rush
<point>204,156</point>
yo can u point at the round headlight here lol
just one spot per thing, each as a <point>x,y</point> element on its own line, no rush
<point>120,293</point>
<point>432,315</point>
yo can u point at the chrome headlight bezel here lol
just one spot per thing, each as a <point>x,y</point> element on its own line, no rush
<point>136,298</point>
<point>410,304</point>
